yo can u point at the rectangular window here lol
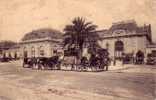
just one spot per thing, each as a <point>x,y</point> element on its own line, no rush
<point>42,52</point>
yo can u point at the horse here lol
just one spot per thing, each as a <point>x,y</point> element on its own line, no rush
<point>46,63</point>
<point>31,62</point>
<point>53,62</point>
<point>94,62</point>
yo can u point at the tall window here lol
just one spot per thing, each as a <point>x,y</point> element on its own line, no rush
<point>119,48</point>
<point>33,51</point>
<point>41,51</point>
<point>25,53</point>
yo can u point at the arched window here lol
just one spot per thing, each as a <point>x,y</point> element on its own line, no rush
<point>119,49</point>
<point>41,51</point>
<point>33,51</point>
<point>140,54</point>
<point>119,46</point>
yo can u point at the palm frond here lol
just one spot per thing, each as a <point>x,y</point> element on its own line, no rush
<point>80,31</point>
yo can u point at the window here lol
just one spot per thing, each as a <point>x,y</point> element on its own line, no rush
<point>41,51</point>
<point>32,51</point>
<point>119,48</point>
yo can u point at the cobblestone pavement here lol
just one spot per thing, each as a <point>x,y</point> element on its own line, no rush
<point>129,82</point>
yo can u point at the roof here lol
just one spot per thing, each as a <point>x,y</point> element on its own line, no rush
<point>41,40</point>
<point>130,28</point>
<point>7,44</point>
<point>42,33</point>
<point>124,25</point>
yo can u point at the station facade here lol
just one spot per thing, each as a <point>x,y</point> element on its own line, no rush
<point>38,43</point>
<point>127,38</point>
<point>122,38</point>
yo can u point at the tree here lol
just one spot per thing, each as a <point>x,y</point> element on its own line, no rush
<point>79,34</point>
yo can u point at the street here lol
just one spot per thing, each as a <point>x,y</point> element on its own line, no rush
<point>130,82</point>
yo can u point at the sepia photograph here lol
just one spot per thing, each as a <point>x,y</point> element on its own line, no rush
<point>77,49</point>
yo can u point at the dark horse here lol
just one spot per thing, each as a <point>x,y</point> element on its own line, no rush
<point>51,62</point>
<point>139,57</point>
<point>30,62</point>
<point>42,62</point>
<point>104,58</point>
<point>98,61</point>
<point>95,62</point>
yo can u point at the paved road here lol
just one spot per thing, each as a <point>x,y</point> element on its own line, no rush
<point>128,83</point>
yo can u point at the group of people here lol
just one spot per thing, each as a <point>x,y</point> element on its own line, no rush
<point>95,62</point>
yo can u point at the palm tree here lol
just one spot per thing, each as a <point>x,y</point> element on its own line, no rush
<point>79,34</point>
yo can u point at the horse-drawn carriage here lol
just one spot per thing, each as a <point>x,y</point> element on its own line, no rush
<point>95,62</point>
<point>42,62</point>
<point>70,59</point>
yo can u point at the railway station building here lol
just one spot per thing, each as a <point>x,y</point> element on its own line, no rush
<point>127,38</point>
<point>122,38</point>
<point>40,43</point>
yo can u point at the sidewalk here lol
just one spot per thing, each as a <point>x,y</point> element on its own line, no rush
<point>133,68</point>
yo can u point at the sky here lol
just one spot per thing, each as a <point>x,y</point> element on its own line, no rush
<point>18,17</point>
